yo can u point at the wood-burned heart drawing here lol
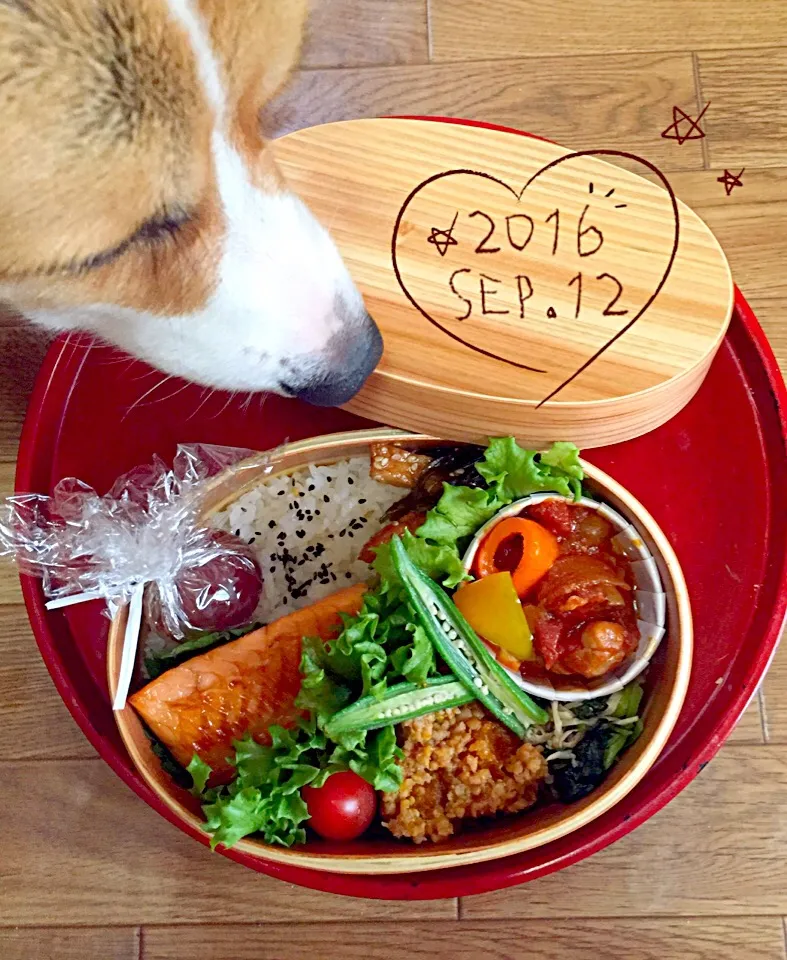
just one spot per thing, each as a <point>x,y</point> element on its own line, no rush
<point>573,257</point>
<point>520,288</point>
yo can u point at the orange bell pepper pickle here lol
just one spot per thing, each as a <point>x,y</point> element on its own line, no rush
<point>522,547</point>
<point>492,608</point>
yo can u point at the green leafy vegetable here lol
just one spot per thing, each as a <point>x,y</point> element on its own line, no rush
<point>514,473</point>
<point>265,796</point>
<point>236,815</point>
<point>511,473</point>
<point>419,662</point>
<point>630,699</point>
<point>459,512</point>
<point>441,562</point>
<point>618,739</point>
<point>586,709</point>
<point>320,694</point>
<point>380,767</point>
<point>168,763</point>
<point>565,457</point>
<point>200,772</point>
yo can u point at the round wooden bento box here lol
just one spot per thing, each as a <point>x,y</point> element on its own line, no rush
<point>734,560</point>
<point>666,685</point>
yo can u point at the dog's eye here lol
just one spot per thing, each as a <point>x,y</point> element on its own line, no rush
<point>161,227</point>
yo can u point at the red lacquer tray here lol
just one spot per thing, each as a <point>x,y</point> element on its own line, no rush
<point>713,477</point>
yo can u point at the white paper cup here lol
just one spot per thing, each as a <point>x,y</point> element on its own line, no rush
<point>649,597</point>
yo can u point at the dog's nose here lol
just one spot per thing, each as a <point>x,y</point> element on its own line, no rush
<point>346,364</point>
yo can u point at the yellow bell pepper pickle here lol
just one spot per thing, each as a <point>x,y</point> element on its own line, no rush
<point>492,608</point>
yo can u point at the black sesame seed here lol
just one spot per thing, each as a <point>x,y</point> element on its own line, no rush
<point>329,479</point>
<point>243,510</point>
<point>316,513</point>
<point>271,524</point>
<point>280,493</point>
<point>284,601</point>
<point>237,533</point>
<point>362,500</point>
<point>273,569</point>
<point>252,540</point>
<point>326,498</point>
<point>348,575</point>
<point>310,487</point>
<point>350,481</point>
<point>300,534</point>
<point>333,576</point>
<point>342,533</point>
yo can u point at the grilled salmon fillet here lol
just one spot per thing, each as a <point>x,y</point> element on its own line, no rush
<point>242,687</point>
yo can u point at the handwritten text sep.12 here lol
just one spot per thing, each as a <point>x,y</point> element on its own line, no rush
<point>481,292</point>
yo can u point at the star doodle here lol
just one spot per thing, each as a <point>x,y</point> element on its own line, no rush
<point>693,129</point>
<point>443,239</point>
<point>730,181</point>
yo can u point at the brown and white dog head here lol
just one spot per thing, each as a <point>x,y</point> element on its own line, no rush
<point>139,201</point>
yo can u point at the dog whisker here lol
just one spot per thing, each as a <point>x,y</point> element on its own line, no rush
<point>147,393</point>
<point>207,394</point>
<point>230,398</point>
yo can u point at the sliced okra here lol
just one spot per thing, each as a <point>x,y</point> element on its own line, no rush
<point>465,653</point>
<point>405,701</point>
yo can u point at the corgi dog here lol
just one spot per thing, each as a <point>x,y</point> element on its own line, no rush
<point>139,200</point>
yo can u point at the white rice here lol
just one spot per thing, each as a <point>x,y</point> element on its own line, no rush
<point>307,528</point>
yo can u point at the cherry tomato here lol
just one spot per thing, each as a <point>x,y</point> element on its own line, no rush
<point>343,808</point>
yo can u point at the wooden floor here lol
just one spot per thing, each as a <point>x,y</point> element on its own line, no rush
<point>88,872</point>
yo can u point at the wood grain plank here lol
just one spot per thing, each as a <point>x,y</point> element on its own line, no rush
<point>121,943</point>
<point>746,124</point>
<point>468,30</point>
<point>22,348</point>
<point>104,857</point>
<point>583,102</point>
<point>10,591</point>
<point>749,728</point>
<point>772,315</point>
<point>775,690</point>
<point>34,722</point>
<point>640,939</point>
<point>750,224</point>
<point>362,33</point>
<point>718,849</point>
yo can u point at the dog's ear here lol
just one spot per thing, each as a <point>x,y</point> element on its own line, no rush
<point>284,44</point>
<point>257,41</point>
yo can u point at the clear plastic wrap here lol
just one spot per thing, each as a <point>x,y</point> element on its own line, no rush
<point>143,543</point>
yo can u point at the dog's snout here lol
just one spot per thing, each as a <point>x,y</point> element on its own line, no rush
<point>344,366</point>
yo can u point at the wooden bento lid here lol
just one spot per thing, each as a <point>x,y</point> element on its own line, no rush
<point>520,288</point>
